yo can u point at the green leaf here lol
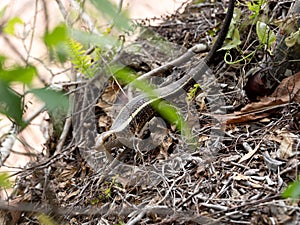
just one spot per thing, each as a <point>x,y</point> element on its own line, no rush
<point>46,220</point>
<point>108,192</point>
<point>234,42</point>
<point>53,99</point>
<point>2,11</point>
<point>62,52</point>
<point>85,38</point>
<point>264,33</point>
<point>24,75</point>
<point>233,39</point>
<point>82,62</point>
<point>193,91</point>
<point>173,116</point>
<point>292,191</point>
<point>255,7</point>
<point>2,61</point>
<point>56,42</point>
<point>292,39</point>
<point>10,104</point>
<point>111,11</point>
<point>57,36</point>
<point>10,26</point>
<point>4,180</point>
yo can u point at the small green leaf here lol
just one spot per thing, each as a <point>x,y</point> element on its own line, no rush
<point>81,61</point>
<point>10,104</point>
<point>255,7</point>
<point>111,11</point>
<point>53,99</point>
<point>57,36</point>
<point>94,201</point>
<point>2,61</point>
<point>292,191</point>
<point>234,42</point>
<point>4,180</point>
<point>19,74</point>
<point>10,26</point>
<point>264,33</point>
<point>85,38</point>
<point>2,11</point>
<point>46,220</point>
<point>108,192</point>
<point>56,42</point>
<point>193,91</point>
<point>292,39</point>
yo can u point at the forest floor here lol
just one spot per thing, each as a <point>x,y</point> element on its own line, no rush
<point>243,156</point>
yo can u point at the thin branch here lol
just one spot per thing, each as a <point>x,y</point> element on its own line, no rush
<point>14,49</point>
<point>33,28</point>
<point>62,10</point>
<point>85,17</point>
<point>46,16</point>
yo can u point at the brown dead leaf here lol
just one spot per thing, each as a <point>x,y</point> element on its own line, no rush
<point>248,179</point>
<point>104,121</point>
<point>230,159</point>
<point>239,177</point>
<point>250,153</point>
<point>286,140</point>
<point>108,97</point>
<point>72,194</point>
<point>203,138</point>
<point>288,91</point>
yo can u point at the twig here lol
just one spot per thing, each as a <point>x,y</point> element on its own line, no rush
<point>137,218</point>
<point>28,50</point>
<point>7,144</point>
<point>120,6</point>
<point>85,17</point>
<point>9,141</point>
<point>63,135</point>
<point>46,16</point>
<point>62,10</point>
<point>217,207</point>
<point>254,202</point>
<point>14,49</point>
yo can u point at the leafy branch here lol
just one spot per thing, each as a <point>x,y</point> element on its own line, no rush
<point>80,60</point>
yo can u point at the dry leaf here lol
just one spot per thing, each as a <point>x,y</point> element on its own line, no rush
<point>288,91</point>
<point>110,94</point>
<point>109,97</point>
<point>241,177</point>
<point>203,138</point>
<point>249,154</point>
<point>104,121</point>
<point>286,140</point>
<point>248,179</point>
<point>75,193</point>
<point>231,158</point>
